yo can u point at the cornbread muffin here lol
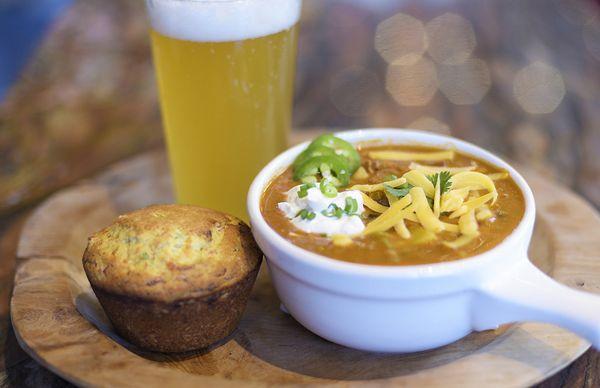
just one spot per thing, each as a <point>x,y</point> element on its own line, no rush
<point>173,278</point>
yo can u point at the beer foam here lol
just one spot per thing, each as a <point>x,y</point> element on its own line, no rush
<point>221,20</point>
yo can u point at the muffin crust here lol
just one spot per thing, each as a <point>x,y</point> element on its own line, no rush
<point>173,278</point>
<point>170,252</point>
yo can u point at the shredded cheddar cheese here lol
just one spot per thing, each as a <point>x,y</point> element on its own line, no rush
<point>453,199</point>
<point>472,204</point>
<point>422,236</point>
<point>498,175</point>
<point>460,241</point>
<point>418,179</point>
<point>379,186</point>
<point>402,230</point>
<point>438,199</point>
<point>390,217</point>
<point>448,227</point>
<point>391,199</point>
<point>436,169</point>
<point>476,179</point>
<point>373,205</point>
<point>424,213</point>
<point>483,213</point>
<point>467,224</point>
<point>410,156</point>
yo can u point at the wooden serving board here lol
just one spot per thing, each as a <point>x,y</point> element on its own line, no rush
<point>59,322</point>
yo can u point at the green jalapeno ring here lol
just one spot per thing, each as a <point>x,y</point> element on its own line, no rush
<point>312,152</point>
<point>340,147</point>
<point>327,177</point>
<point>309,180</point>
<point>338,168</point>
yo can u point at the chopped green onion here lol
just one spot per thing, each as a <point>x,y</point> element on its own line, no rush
<point>333,211</point>
<point>328,189</point>
<point>351,206</point>
<point>306,215</point>
<point>390,177</point>
<point>339,212</point>
<point>303,191</point>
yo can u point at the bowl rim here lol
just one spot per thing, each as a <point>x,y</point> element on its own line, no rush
<point>284,159</point>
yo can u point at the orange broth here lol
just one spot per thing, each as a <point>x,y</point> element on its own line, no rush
<point>387,248</point>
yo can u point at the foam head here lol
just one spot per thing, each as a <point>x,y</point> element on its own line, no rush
<point>222,20</point>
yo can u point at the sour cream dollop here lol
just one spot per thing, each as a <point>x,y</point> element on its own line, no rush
<point>316,202</point>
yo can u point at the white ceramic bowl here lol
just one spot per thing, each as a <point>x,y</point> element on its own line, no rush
<point>412,308</point>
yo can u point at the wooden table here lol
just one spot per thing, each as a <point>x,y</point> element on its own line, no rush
<point>18,369</point>
<point>337,58</point>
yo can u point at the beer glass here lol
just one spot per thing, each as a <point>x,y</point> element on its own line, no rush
<point>225,71</point>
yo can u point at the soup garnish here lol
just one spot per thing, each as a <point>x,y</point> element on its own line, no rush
<point>392,204</point>
<point>331,157</point>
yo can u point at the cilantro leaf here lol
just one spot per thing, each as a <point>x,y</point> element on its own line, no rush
<point>445,181</point>
<point>400,191</point>
<point>432,178</point>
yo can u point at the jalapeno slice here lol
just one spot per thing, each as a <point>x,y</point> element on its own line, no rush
<point>311,152</point>
<point>333,167</point>
<point>335,159</point>
<point>340,147</point>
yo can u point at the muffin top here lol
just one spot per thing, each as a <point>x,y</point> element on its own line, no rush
<point>170,252</point>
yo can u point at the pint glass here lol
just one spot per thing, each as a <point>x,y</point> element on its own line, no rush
<point>225,71</point>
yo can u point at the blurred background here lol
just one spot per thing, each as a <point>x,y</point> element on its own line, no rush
<point>520,77</point>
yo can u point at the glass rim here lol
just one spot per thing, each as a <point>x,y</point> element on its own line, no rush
<point>206,1</point>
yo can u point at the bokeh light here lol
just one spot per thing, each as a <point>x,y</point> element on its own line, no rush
<point>451,39</point>
<point>427,123</point>
<point>465,84</point>
<point>401,39</point>
<point>539,88</point>
<point>412,85</point>
<point>354,91</point>
<point>530,144</point>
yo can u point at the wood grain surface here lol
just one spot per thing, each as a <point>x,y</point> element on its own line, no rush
<point>91,81</point>
<point>51,294</point>
<point>87,97</point>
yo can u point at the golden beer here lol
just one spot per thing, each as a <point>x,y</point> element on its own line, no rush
<point>226,108</point>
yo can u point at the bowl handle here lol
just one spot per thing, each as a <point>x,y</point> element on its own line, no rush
<point>527,294</point>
